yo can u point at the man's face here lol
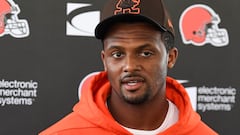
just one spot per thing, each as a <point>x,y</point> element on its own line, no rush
<point>135,60</point>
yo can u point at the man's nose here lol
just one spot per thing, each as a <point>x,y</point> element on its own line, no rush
<point>131,64</point>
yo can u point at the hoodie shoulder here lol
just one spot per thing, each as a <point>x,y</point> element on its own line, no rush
<point>69,122</point>
<point>202,129</point>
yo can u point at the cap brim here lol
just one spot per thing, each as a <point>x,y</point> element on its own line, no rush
<point>103,27</point>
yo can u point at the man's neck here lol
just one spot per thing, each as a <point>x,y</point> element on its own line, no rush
<point>146,116</point>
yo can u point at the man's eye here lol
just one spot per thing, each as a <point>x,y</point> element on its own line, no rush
<point>146,54</point>
<point>117,54</point>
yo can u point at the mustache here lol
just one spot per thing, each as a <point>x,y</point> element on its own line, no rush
<point>132,75</point>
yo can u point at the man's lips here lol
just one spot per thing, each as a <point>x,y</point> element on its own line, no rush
<point>132,83</point>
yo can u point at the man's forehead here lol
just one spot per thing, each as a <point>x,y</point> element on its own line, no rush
<point>132,31</point>
<point>129,46</point>
<point>131,43</point>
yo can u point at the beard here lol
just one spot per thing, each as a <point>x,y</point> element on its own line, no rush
<point>136,99</point>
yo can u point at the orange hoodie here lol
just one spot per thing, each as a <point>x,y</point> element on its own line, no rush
<point>90,115</point>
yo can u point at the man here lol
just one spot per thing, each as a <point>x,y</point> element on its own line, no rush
<point>133,95</point>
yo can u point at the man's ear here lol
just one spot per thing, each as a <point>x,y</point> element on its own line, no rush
<point>103,60</point>
<point>172,57</point>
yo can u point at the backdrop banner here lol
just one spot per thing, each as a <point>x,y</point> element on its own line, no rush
<point>47,47</point>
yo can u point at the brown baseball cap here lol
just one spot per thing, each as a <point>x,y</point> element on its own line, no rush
<point>150,11</point>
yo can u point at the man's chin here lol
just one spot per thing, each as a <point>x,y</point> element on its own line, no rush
<point>136,100</point>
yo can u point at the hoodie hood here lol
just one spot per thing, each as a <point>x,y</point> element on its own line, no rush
<point>90,115</point>
<point>95,90</point>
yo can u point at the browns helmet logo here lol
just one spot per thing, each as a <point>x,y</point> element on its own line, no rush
<point>199,25</point>
<point>127,7</point>
<point>10,24</point>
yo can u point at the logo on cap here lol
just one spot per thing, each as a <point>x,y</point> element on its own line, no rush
<point>199,26</point>
<point>127,7</point>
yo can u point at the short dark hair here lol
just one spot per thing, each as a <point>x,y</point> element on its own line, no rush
<point>168,40</point>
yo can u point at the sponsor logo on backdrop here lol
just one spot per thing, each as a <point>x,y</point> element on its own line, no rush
<point>18,93</point>
<point>212,98</point>
<point>199,26</point>
<point>10,24</point>
<point>82,19</point>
